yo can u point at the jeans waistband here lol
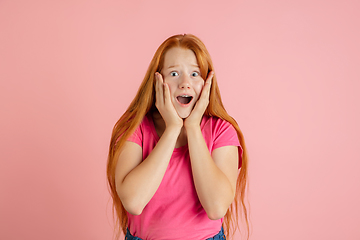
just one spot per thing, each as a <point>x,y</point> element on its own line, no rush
<point>219,236</point>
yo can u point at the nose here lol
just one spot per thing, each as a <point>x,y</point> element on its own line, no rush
<point>184,82</point>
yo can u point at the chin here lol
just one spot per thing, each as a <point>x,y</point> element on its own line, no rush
<point>183,115</point>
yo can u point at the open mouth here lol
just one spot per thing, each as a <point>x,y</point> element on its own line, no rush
<point>184,99</point>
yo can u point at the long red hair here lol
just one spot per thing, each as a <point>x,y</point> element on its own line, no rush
<point>144,102</point>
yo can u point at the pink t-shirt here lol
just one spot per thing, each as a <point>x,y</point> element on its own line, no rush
<point>175,212</point>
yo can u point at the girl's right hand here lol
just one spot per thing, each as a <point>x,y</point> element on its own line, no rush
<point>164,104</point>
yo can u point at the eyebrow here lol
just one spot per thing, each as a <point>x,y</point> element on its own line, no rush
<point>194,65</point>
<point>172,66</point>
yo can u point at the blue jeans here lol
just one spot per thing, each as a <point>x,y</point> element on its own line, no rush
<point>219,236</point>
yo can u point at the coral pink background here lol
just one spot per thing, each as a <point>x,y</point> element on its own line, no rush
<point>288,72</point>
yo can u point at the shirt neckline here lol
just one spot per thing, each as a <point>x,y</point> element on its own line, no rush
<point>157,138</point>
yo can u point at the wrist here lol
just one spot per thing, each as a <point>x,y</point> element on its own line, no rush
<point>173,129</point>
<point>192,127</point>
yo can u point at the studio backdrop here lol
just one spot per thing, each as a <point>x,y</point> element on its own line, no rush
<point>288,72</point>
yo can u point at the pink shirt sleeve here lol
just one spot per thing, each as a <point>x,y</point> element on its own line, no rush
<point>224,134</point>
<point>136,137</point>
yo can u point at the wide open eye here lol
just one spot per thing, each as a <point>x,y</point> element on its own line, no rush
<point>174,74</point>
<point>195,74</point>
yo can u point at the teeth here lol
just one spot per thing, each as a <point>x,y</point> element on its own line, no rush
<point>185,96</point>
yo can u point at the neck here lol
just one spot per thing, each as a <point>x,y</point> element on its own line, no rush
<point>160,126</point>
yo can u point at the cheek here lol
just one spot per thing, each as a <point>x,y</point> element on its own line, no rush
<point>171,85</point>
<point>198,87</point>
<point>172,88</point>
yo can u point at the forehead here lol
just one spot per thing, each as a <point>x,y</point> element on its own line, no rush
<point>179,56</point>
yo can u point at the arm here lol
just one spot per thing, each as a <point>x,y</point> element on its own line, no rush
<point>214,176</point>
<point>137,180</point>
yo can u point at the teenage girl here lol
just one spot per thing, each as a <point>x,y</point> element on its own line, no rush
<point>175,154</point>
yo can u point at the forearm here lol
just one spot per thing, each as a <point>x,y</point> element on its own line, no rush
<point>212,185</point>
<point>140,185</point>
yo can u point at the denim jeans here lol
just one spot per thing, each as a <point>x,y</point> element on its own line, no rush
<point>219,236</point>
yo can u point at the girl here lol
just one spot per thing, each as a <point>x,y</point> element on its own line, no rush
<point>175,153</point>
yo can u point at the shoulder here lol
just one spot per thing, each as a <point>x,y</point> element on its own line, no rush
<point>146,125</point>
<point>215,125</point>
<point>142,130</point>
<point>213,120</point>
<point>218,132</point>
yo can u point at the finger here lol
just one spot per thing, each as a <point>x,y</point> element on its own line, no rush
<point>160,78</point>
<point>159,88</point>
<point>167,97</point>
<point>207,86</point>
<point>209,79</point>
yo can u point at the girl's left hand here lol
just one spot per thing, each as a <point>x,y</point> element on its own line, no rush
<point>197,113</point>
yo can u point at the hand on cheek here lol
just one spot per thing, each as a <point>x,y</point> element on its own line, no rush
<point>164,104</point>
<point>196,114</point>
